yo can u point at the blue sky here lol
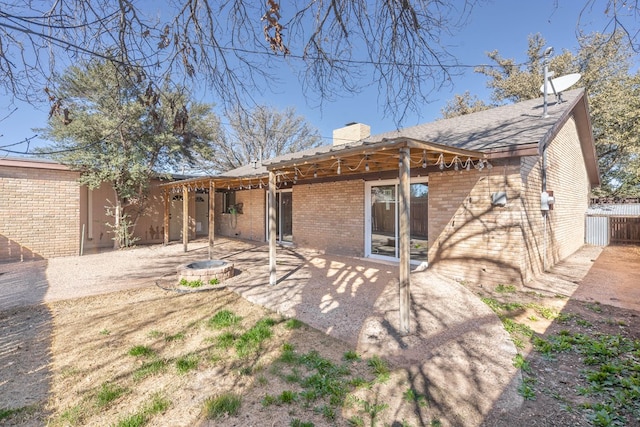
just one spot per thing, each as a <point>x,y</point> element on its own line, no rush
<point>501,24</point>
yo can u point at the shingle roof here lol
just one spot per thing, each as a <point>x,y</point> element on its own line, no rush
<point>505,126</point>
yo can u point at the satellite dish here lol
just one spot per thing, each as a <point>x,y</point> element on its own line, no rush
<point>560,84</point>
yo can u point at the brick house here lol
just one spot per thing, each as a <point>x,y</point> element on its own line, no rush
<point>495,196</point>
<point>44,210</point>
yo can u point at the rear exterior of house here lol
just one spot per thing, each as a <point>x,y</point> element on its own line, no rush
<point>457,227</point>
<point>44,211</point>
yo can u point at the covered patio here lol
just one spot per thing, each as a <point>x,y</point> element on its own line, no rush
<point>400,158</point>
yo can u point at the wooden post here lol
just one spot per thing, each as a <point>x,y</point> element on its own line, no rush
<point>272,228</point>
<point>185,217</point>
<point>404,199</point>
<point>212,216</point>
<point>167,205</point>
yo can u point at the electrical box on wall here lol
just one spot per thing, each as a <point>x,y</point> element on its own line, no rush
<point>547,200</point>
<point>499,198</point>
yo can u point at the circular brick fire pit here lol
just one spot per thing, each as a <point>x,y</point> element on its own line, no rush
<point>205,271</point>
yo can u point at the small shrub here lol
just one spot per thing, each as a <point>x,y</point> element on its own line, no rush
<point>191,283</point>
<point>521,363</point>
<point>225,404</point>
<point>214,281</point>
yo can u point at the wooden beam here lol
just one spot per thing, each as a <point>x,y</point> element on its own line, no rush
<point>167,205</point>
<point>185,217</point>
<point>272,228</point>
<point>404,205</point>
<point>212,216</point>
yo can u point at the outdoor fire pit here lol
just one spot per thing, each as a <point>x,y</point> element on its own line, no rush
<point>206,271</point>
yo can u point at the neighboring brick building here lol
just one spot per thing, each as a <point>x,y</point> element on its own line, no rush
<point>43,210</point>
<point>476,187</point>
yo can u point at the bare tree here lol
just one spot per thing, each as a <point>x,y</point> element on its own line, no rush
<point>236,47</point>
<point>261,133</point>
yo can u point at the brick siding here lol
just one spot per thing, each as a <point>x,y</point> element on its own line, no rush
<point>250,224</point>
<point>39,213</point>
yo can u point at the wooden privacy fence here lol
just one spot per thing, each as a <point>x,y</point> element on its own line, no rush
<point>624,230</point>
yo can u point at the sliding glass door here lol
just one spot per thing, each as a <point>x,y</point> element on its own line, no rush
<point>382,225</point>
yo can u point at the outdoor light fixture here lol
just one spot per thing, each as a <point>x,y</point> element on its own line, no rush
<point>366,166</point>
<point>455,164</point>
<point>339,171</point>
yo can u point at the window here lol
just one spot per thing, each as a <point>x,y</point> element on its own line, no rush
<point>228,201</point>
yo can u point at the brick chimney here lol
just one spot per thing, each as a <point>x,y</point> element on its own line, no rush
<point>352,132</point>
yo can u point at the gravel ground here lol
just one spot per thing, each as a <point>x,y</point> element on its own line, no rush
<point>456,343</point>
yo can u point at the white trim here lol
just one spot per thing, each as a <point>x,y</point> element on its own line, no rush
<point>367,219</point>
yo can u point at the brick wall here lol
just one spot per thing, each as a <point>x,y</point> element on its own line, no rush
<point>563,232</point>
<point>39,213</point>
<point>330,217</point>
<point>250,224</point>
<point>469,238</point>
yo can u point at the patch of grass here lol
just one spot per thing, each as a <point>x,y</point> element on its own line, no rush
<point>141,351</point>
<point>526,389</point>
<point>108,393</point>
<point>214,281</point>
<point>151,368</point>
<point>133,420</point>
<point>250,341</point>
<point>503,289</point>
<point>546,312</point>
<point>351,356</point>
<point>175,337</point>
<point>11,412</point>
<point>287,397</point>
<point>269,400</point>
<point>105,332</point>
<point>327,411</point>
<point>155,334</point>
<point>380,368</point>
<point>224,404</point>
<point>293,324</point>
<point>356,421</point>
<point>297,423</point>
<point>72,416</point>
<point>595,307</point>
<point>411,396</point>
<point>224,319</point>
<point>372,409</point>
<point>187,363</point>
<point>521,363</point>
<point>226,340</point>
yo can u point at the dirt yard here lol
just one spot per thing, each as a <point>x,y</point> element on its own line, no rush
<point>150,356</point>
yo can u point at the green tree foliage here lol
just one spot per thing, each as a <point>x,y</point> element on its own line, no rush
<point>263,132</point>
<point>463,104</point>
<point>116,128</point>
<point>613,90</point>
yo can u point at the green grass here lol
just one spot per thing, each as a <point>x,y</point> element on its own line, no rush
<point>411,396</point>
<point>225,404</point>
<point>293,324</point>
<point>380,368</point>
<point>187,363</point>
<point>249,342</point>
<point>11,412</point>
<point>155,334</point>
<point>155,405</point>
<point>214,281</point>
<point>505,289</point>
<point>224,319</point>
<point>297,423</point>
<point>149,369</point>
<point>72,416</point>
<point>226,340</point>
<point>351,356</point>
<point>108,393</point>
<point>521,363</point>
<point>175,337</point>
<point>141,351</point>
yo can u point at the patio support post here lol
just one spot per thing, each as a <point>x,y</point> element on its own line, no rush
<point>212,216</point>
<point>185,217</point>
<point>165,223</point>
<point>272,228</point>
<point>404,199</point>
